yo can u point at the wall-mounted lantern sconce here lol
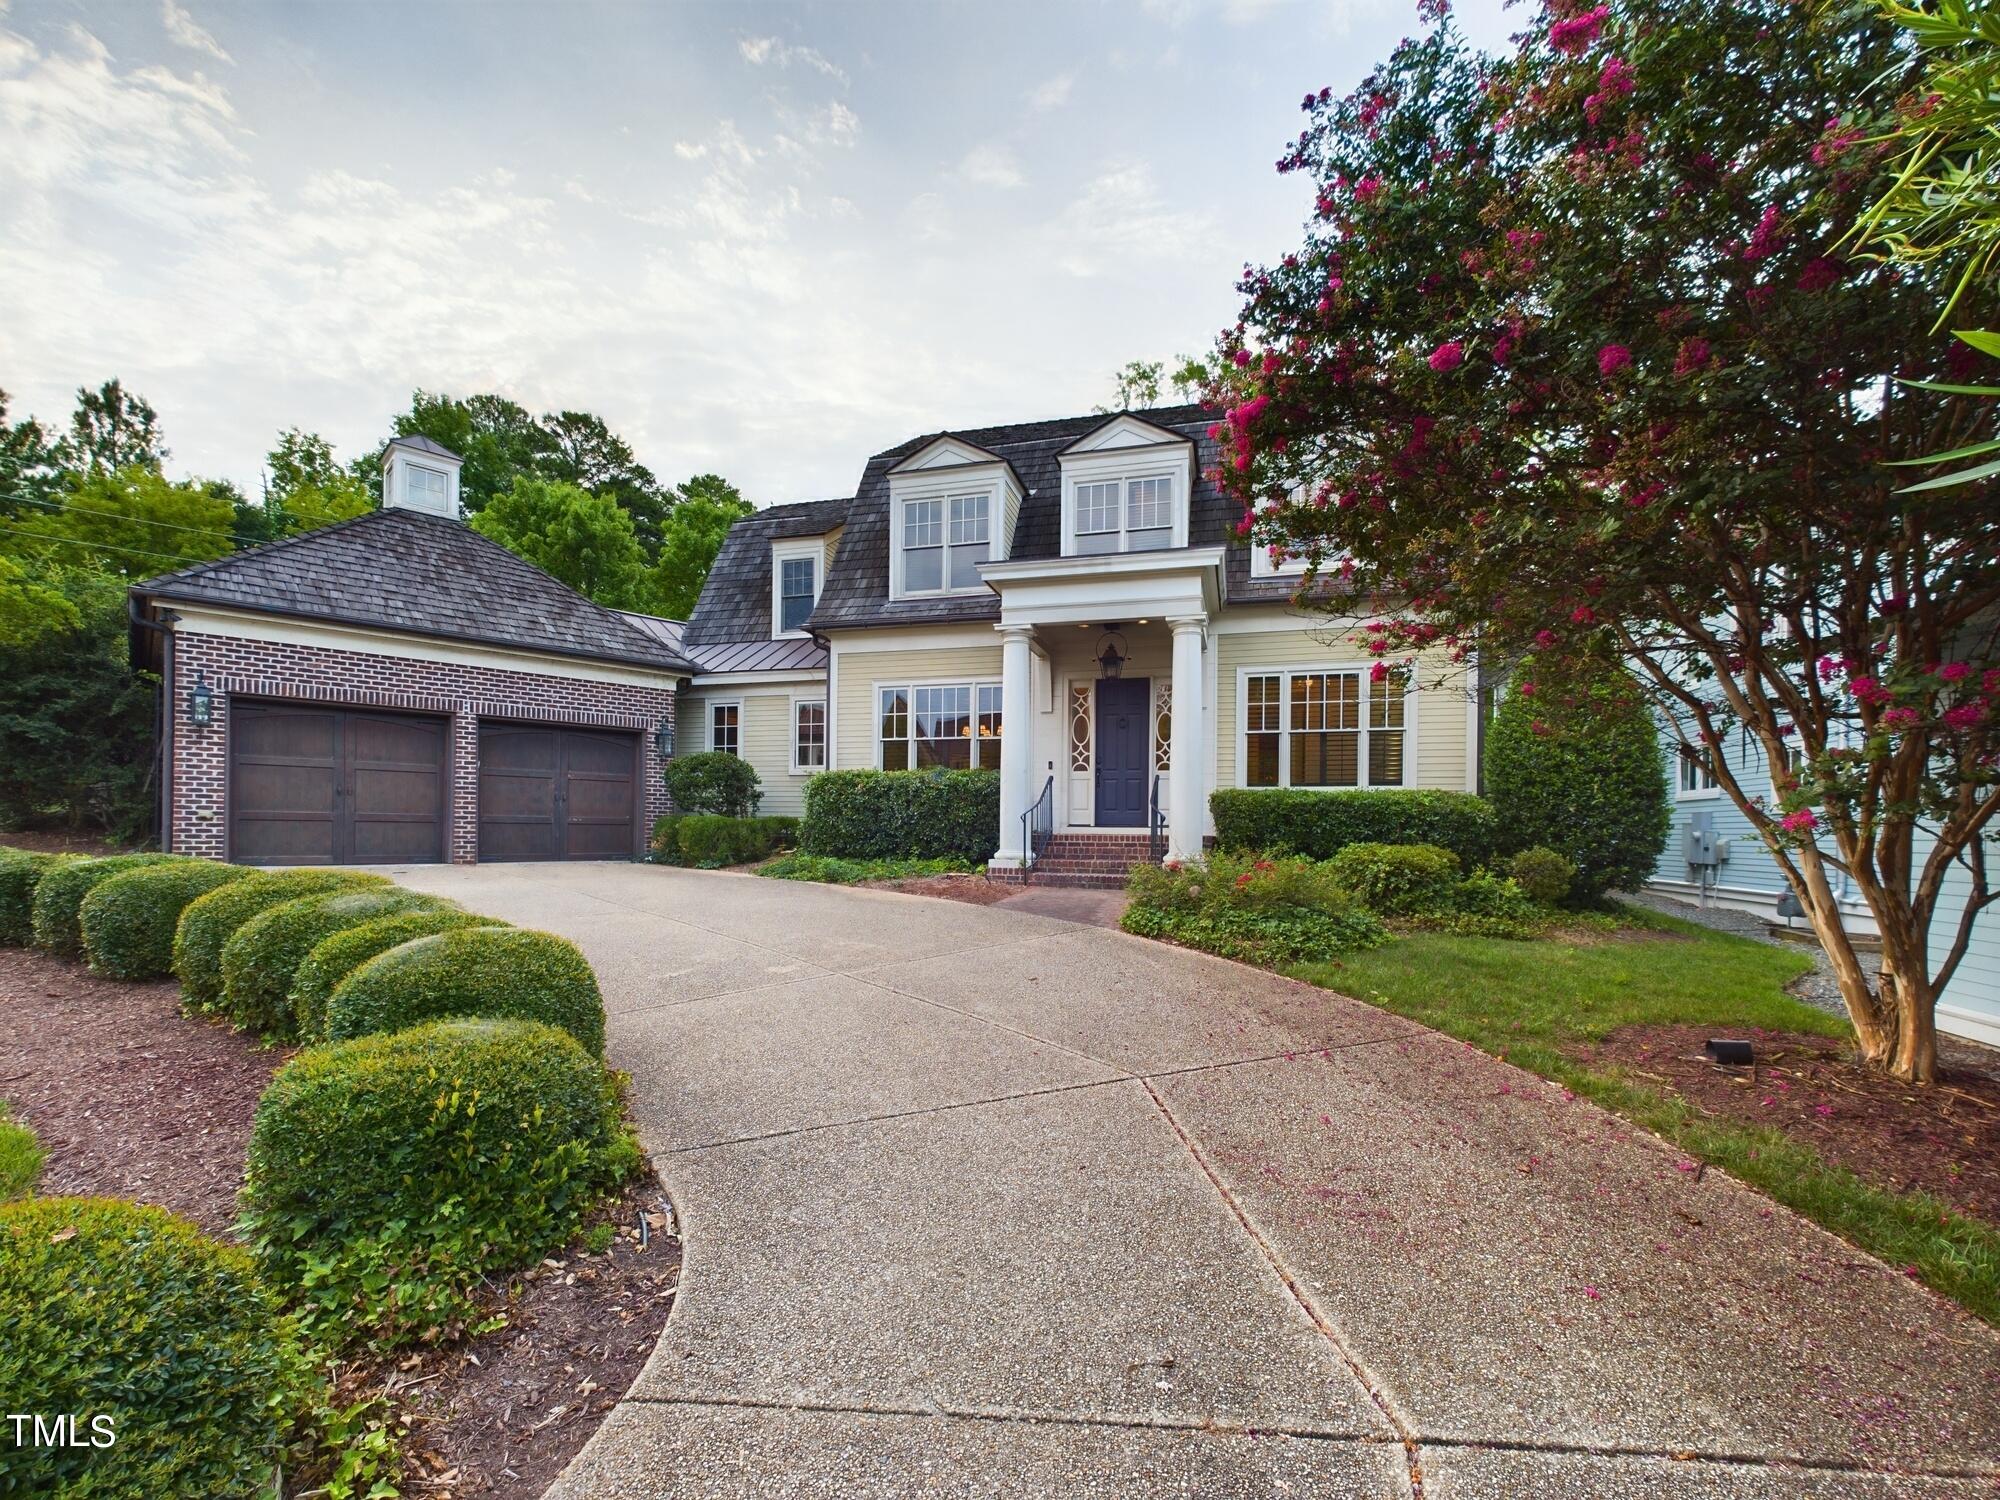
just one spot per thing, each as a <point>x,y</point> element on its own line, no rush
<point>663,737</point>
<point>201,702</point>
<point>1111,654</point>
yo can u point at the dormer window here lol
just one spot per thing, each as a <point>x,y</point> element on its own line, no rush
<point>1124,515</point>
<point>1125,489</point>
<point>944,542</point>
<point>951,507</point>
<point>795,582</point>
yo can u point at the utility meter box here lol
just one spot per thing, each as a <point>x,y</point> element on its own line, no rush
<point>1699,845</point>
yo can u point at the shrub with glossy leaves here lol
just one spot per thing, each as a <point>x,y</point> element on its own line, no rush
<point>713,782</point>
<point>210,921</point>
<point>261,957</point>
<point>1545,875</point>
<point>1263,911</point>
<point>472,971</point>
<point>709,841</point>
<point>933,814</point>
<point>388,1174</point>
<point>126,1312</point>
<point>1396,880</point>
<point>60,893</point>
<point>1319,825</point>
<point>21,870</point>
<point>129,920</point>
<point>333,958</point>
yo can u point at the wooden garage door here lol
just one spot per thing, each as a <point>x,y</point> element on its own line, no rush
<point>318,786</point>
<point>553,793</point>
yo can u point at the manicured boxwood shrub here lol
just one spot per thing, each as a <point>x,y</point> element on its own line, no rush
<point>389,1173</point>
<point>124,1311</point>
<point>1543,874</point>
<point>711,841</point>
<point>1579,768</point>
<point>712,782</point>
<point>902,815</point>
<point>1273,912</point>
<point>129,920</point>
<point>60,894</point>
<point>261,956</point>
<point>20,872</point>
<point>210,921</point>
<point>334,958</point>
<point>1319,825</point>
<point>472,971</point>
<point>1396,880</point>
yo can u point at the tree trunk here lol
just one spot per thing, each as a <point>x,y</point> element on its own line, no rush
<point>1906,995</point>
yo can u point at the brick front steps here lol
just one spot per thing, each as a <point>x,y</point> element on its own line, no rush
<point>1093,861</point>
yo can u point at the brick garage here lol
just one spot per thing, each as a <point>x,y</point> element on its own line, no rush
<point>398,688</point>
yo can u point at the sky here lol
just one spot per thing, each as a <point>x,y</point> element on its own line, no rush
<point>760,240</point>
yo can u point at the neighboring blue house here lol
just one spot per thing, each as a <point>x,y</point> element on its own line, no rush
<point>1746,877</point>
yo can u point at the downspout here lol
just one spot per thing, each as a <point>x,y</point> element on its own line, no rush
<point>163,717</point>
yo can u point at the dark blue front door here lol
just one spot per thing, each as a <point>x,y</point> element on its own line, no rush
<point>1124,746</point>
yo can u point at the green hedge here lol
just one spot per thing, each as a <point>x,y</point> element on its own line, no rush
<point>711,842</point>
<point>1319,825</point>
<point>334,958</point>
<point>713,782</point>
<point>472,971</point>
<point>20,872</point>
<point>902,815</point>
<point>1397,880</point>
<point>21,1157</point>
<point>1544,875</point>
<point>123,1311</point>
<point>388,1174</point>
<point>129,920</point>
<point>59,896</point>
<point>1273,912</point>
<point>210,921</point>
<point>262,956</point>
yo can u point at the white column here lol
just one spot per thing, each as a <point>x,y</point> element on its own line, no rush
<point>1017,741</point>
<point>1190,741</point>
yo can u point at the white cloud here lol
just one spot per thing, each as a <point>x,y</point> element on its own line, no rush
<point>182,30</point>
<point>990,166</point>
<point>759,50</point>
<point>690,150</point>
<point>1121,217</point>
<point>1052,94</point>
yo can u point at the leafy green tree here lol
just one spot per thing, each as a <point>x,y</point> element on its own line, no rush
<point>111,429</point>
<point>27,462</point>
<point>1571,359</point>
<point>29,607</point>
<point>1574,765</point>
<point>132,522</point>
<point>308,487</point>
<point>587,453</point>
<point>76,722</point>
<point>708,505</point>
<point>581,538</point>
<point>498,439</point>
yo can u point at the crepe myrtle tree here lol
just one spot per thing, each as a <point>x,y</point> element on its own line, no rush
<point>1569,364</point>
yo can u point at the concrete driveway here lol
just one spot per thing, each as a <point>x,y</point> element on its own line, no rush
<point>982,1203</point>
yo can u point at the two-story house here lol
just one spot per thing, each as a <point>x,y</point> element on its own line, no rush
<point>1058,601</point>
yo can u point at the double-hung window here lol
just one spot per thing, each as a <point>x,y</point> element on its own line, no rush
<point>1323,729</point>
<point>430,489</point>
<point>809,735</point>
<point>1124,515</point>
<point>944,541</point>
<point>798,579</point>
<point>954,725</point>
<point>725,728</point>
<point>1697,774</point>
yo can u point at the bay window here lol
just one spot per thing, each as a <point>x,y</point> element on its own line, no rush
<point>952,725</point>
<point>1323,729</point>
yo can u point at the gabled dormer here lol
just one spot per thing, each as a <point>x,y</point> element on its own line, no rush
<point>952,506</point>
<point>1125,488</point>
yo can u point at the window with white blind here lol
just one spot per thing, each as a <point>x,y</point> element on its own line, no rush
<point>1319,728</point>
<point>955,725</point>
<point>943,540</point>
<point>1124,515</point>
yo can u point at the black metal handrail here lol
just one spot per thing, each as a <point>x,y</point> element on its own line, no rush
<point>1038,824</point>
<point>1156,827</point>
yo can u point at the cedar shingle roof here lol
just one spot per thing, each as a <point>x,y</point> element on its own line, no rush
<point>420,575</point>
<point>730,629</point>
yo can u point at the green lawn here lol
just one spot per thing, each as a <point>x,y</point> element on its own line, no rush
<point>831,871</point>
<point>20,1157</point>
<point>1530,1001</point>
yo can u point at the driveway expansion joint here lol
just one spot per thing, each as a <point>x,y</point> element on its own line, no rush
<point>1699,1456</point>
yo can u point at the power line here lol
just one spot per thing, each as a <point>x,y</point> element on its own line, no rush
<point>104,546</point>
<point>119,515</point>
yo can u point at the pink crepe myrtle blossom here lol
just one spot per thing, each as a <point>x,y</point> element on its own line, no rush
<point>1954,671</point>
<point>1766,237</point>
<point>1545,638</point>
<point>1819,274</point>
<point>1369,188</point>
<point>1692,355</point>
<point>1447,357</point>
<point>1965,716</point>
<point>1901,718</point>
<point>1612,358</point>
<point>1801,821</point>
<point>1583,614</point>
<point>1379,672</point>
<point>1867,690</point>
<point>1573,36</point>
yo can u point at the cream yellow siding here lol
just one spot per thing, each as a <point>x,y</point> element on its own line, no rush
<point>858,672</point>
<point>832,546</point>
<point>1437,710</point>
<point>765,736</point>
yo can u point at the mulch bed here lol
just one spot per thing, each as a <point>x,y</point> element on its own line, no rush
<point>134,1100</point>
<point>57,841</point>
<point>974,889</point>
<point>1943,1140</point>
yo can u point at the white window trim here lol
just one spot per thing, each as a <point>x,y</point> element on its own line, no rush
<point>1368,690</point>
<point>1261,565</point>
<point>944,485</point>
<point>909,685</point>
<point>1123,473</point>
<point>826,741</point>
<point>1700,793</point>
<point>708,711</point>
<point>811,549</point>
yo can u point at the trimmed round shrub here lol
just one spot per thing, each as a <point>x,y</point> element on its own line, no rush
<point>1579,768</point>
<point>473,971</point>
<point>21,870</point>
<point>711,842</point>
<point>1318,825</point>
<point>1543,874</point>
<point>713,782</point>
<point>210,921</point>
<point>902,815</point>
<point>388,1174</point>
<point>126,1314</point>
<point>60,894</point>
<point>333,958</point>
<point>129,920</point>
<point>1397,880</point>
<point>262,956</point>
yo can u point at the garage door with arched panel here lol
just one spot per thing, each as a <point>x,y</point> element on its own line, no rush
<point>553,792</point>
